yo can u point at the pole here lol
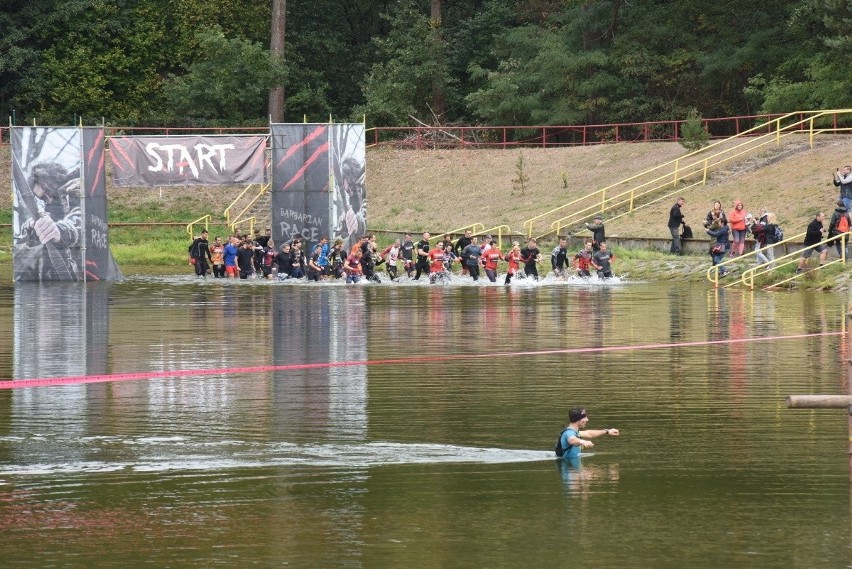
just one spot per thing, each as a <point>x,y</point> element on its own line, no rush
<point>849,371</point>
<point>818,401</point>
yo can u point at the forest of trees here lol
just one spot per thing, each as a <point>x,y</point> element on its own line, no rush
<point>498,62</point>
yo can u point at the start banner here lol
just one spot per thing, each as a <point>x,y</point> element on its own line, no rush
<point>144,161</point>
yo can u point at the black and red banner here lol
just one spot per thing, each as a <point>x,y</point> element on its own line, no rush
<point>318,182</point>
<point>145,161</point>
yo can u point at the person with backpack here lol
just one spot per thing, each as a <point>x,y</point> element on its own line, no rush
<point>772,234</point>
<point>575,436</point>
<point>719,231</point>
<point>839,224</point>
<point>675,221</point>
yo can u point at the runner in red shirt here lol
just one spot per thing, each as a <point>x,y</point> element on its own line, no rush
<point>490,259</point>
<point>352,267</point>
<point>514,259</point>
<point>437,270</point>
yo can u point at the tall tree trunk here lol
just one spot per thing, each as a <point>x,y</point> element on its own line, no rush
<point>276,47</point>
<point>438,95</point>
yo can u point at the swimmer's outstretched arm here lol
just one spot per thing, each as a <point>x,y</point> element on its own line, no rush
<point>592,433</point>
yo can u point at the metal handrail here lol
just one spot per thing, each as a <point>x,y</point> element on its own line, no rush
<point>227,212</point>
<point>250,221</point>
<point>680,173</point>
<point>475,228</point>
<point>558,225</point>
<point>713,271</point>
<point>499,230</point>
<point>191,225</point>
<point>747,277</point>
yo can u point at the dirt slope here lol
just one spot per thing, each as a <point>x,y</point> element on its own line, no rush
<point>439,190</point>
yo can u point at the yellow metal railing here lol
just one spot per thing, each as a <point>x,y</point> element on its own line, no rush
<point>227,212</point>
<point>237,223</point>
<point>713,272</point>
<point>500,230</point>
<point>688,167</point>
<point>475,228</point>
<point>748,276</point>
<point>190,227</point>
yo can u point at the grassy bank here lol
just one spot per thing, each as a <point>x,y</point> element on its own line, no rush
<point>444,189</point>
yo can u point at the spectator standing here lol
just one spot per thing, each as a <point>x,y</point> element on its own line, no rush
<point>719,230</point>
<point>843,180</point>
<point>598,231</point>
<point>715,213</point>
<point>772,234</point>
<point>813,236</point>
<point>675,221</point>
<point>839,224</point>
<point>737,223</point>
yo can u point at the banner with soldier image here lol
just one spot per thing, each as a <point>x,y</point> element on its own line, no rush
<point>348,165</point>
<point>47,220</point>
<point>59,221</point>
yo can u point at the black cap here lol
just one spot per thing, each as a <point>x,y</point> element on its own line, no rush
<point>576,414</point>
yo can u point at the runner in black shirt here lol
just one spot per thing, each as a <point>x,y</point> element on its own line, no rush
<point>422,256</point>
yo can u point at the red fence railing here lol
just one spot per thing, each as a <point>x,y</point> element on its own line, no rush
<point>548,136</point>
<point>542,136</point>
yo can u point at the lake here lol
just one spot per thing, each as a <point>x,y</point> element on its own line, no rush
<point>265,424</point>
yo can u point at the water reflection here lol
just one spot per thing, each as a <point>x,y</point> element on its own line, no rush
<point>320,326</point>
<point>423,463</point>
<point>581,480</point>
<point>60,329</point>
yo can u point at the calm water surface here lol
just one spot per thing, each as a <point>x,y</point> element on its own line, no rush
<point>422,458</point>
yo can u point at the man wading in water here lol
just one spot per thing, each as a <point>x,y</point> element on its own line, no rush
<point>574,438</point>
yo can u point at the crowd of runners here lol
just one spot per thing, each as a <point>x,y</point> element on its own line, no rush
<point>245,257</point>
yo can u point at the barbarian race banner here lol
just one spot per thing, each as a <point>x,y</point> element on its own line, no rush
<point>144,161</point>
<point>318,182</point>
<point>59,223</point>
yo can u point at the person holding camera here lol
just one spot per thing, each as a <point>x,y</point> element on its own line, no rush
<point>843,180</point>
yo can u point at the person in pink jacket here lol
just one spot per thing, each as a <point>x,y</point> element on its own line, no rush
<point>737,222</point>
